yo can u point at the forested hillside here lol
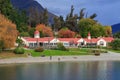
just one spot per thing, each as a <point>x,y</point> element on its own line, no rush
<point>116,28</point>
<point>78,25</point>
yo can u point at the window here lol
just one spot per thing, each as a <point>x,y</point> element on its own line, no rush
<point>51,43</point>
<point>30,44</point>
<point>66,44</point>
<point>101,43</point>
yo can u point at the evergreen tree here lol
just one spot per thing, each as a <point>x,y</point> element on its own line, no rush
<point>62,21</point>
<point>57,24</point>
<point>93,16</point>
<point>81,13</point>
<point>19,18</point>
<point>71,13</point>
<point>117,35</point>
<point>71,21</point>
<point>45,17</point>
<point>34,17</point>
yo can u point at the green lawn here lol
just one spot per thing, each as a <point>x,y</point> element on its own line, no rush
<point>72,51</point>
<point>117,51</point>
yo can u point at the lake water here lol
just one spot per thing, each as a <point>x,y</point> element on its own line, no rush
<point>61,71</point>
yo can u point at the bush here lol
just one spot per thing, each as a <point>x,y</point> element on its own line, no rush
<point>115,44</point>
<point>19,50</point>
<point>104,51</point>
<point>61,47</point>
<point>95,51</point>
<point>98,51</point>
<point>39,49</point>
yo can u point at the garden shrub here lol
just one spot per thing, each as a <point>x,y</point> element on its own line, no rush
<point>39,49</point>
<point>61,47</point>
<point>95,51</point>
<point>19,50</point>
<point>98,51</point>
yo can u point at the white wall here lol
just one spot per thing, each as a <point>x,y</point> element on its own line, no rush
<point>80,41</point>
<point>102,40</point>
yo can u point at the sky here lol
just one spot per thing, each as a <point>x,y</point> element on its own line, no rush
<point>108,11</point>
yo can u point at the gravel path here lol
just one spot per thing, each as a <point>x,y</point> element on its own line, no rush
<point>110,56</point>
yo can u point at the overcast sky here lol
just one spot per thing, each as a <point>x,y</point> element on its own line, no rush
<point>108,11</point>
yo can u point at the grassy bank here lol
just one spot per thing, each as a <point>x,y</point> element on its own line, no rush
<point>72,51</point>
<point>116,51</point>
<point>10,55</point>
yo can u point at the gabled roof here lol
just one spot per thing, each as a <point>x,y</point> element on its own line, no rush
<point>108,39</point>
<point>93,40</point>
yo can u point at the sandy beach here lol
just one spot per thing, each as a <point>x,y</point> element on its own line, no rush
<point>103,57</point>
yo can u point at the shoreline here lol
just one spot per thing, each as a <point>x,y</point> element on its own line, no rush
<point>29,59</point>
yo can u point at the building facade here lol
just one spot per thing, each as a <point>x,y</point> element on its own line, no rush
<point>67,42</point>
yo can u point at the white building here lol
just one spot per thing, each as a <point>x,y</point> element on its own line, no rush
<point>67,42</point>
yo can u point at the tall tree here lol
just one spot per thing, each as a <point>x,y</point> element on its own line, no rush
<point>71,13</point>
<point>57,23</point>
<point>93,16</point>
<point>108,31</point>
<point>71,21</point>
<point>82,13</point>
<point>66,33</point>
<point>45,31</point>
<point>85,26</point>
<point>45,17</point>
<point>97,30</point>
<point>34,17</point>
<point>62,21</point>
<point>116,35</point>
<point>19,18</point>
<point>8,32</point>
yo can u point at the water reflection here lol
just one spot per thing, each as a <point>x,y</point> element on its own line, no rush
<point>61,71</point>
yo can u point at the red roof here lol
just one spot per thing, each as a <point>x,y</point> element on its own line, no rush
<point>38,39</point>
<point>93,40</point>
<point>74,40</point>
<point>36,32</point>
<point>108,39</point>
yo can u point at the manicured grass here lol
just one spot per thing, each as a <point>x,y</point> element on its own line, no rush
<point>72,51</point>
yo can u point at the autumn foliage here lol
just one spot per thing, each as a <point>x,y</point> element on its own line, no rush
<point>45,31</point>
<point>108,30</point>
<point>8,32</point>
<point>66,33</point>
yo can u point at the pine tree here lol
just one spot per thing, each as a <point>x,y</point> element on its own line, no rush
<point>19,18</point>
<point>45,17</point>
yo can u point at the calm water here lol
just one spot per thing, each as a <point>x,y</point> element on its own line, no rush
<point>61,71</point>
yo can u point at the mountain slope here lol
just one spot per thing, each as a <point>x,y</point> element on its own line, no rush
<point>27,4</point>
<point>116,28</point>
